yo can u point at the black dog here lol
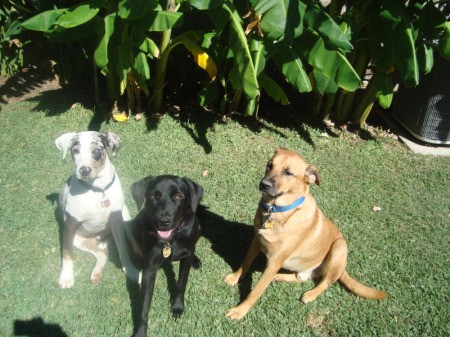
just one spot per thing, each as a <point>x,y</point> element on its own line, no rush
<point>166,229</point>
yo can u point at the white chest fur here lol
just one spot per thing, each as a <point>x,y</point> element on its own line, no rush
<point>88,206</point>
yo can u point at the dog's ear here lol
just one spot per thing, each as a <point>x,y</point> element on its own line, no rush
<point>64,141</point>
<point>312,175</point>
<point>138,190</point>
<point>111,141</point>
<point>196,193</point>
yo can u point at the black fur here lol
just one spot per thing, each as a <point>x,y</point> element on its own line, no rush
<point>167,205</point>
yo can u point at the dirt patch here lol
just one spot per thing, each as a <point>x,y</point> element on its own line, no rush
<point>28,83</point>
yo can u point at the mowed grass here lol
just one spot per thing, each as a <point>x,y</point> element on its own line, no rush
<point>402,248</point>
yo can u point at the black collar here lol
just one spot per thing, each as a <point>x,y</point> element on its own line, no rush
<point>98,189</point>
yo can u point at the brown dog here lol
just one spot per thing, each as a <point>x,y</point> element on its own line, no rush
<point>294,234</point>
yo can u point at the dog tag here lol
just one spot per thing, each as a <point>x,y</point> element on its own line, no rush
<point>269,223</point>
<point>106,202</point>
<point>166,250</point>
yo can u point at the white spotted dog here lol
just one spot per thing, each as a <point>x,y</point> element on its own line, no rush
<point>92,203</point>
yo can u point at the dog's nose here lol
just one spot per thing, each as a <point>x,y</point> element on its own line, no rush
<point>164,222</point>
<point>264,185</point>
<point>85,171</point>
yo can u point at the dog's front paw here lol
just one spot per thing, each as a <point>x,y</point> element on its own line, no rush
<point>231,279</point>
<point>177,307</point>
<point>307,297</point>
<point>177,311</point>
<point>141,332</point>
<point>237,313</point>
<point>66,280</point>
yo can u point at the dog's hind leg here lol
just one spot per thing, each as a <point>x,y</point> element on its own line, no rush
<point>99,251</point>
<point>331,269</point>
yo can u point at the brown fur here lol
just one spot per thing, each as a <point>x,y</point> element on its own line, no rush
<point>301,240</point>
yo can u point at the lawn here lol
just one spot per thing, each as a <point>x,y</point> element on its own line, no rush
<point>401,247</point>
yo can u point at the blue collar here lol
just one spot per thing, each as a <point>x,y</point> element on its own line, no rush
<point>280,209</point>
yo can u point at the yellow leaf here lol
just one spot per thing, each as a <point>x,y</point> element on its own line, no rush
<point>202,59</point>
<point>120,117</point>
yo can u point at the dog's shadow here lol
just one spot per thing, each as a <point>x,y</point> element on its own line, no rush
<point>231,241</point>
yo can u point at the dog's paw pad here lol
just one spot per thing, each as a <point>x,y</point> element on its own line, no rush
<point>96,277</point>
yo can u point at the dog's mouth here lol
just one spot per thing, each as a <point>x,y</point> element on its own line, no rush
<point>165,234</point>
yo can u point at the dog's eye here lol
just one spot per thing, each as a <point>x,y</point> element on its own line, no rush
<point>288,173</point>
<point>269,165</point>
<point>75,150</point>
<point>179,196</point>
<point>97,153</point>
<point>153,196</point>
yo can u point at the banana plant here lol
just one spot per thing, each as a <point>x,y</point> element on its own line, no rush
<point>119,39</point>
<point>297,36</point>
<point>392,38</point>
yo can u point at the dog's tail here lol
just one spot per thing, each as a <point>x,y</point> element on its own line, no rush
<point>360,289</point>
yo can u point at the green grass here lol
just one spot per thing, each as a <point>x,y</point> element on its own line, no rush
<point>402,249</point>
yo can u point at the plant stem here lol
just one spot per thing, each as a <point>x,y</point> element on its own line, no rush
<point>161,65</point>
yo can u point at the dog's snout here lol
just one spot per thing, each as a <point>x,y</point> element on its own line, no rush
<point>264,185</point>
<point>165,222</point>
<point>85,171</point>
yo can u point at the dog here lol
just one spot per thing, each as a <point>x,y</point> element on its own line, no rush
<point>166,229</point>
<point>294,234</point>
<point>92,204</point>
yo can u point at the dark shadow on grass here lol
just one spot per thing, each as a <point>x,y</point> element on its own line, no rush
<point>231,241</point>
<point>36,327</point>
<point>27,81</point>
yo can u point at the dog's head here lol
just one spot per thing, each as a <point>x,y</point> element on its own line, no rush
<point>88,150</point>
<point>287,173</point>
<point>168,202</point>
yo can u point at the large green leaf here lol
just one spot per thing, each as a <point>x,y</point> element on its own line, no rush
<point>76,33</point>
<point>319,21</point>
<point>143,70</point>
<point>273,89</point>
<point>425,58</point>
<point>243,73</point>
<point>205,4</point>
<point>292,68</point>
<point>79,14</point>
<point>444,42</point>
<point>331,63</point>
<point>158,21</point>
<point>105,32</point>
<point>323,84</point>
<point>123,64</point>
<point>384,89</point>
<point>43,22</point>
<point>281,19</point>
<point>135,9</point>
<point>147,45</point>
<point>400,29</point>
